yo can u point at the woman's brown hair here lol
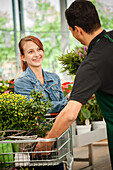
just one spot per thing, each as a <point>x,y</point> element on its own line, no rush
<point>21,44</point>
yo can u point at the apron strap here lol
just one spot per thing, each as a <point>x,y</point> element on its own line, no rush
<point>107,36</point>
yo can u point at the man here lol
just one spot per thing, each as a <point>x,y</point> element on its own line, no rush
<point>95,74</point>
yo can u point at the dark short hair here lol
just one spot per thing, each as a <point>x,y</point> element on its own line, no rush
<point>83,13</point>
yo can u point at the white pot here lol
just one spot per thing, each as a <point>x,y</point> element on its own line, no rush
<point>81,129</point>
<point>98,124</point>
<point>22,159</point>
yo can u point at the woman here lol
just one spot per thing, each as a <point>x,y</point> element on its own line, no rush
<point>34,77</point>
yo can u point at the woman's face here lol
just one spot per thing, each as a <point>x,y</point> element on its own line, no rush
<point>33,55</point>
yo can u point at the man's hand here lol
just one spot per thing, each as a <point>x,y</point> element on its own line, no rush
<point>43,145</point>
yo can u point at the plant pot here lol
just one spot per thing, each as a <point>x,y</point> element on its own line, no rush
<point>81,129</point>
<point>7,151</point>
<point>22,159</point>
<point>98,124</point>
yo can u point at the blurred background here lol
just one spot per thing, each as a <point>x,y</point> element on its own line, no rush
<point>44,19</point>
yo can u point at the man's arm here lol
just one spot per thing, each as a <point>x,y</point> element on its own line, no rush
<point>65,118</point>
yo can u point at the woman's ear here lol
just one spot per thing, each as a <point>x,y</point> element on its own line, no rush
<point>22,57</point>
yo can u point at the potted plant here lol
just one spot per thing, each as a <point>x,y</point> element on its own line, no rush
<point>97,119</point>
<point>83,120</point>
<point>19,113</point>
<point>71,60</point>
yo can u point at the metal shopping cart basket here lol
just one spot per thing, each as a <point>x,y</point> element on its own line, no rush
<point>19,152</point>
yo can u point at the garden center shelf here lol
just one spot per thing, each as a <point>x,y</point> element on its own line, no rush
<point>87,139</point>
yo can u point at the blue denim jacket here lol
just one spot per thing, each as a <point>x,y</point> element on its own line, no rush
<point>27,81</point>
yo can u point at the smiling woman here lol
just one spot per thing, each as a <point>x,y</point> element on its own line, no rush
<point>33,55</point>
<point>34,77</point>
<point>30,46</point>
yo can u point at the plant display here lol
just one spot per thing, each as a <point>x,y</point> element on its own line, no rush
<point>17,112</point>
<point>6,86</point>
<point>96,113</point>
<point>67,87</point>
<point>90,111</point>
<point>84,115</point>
<point>72,60</point>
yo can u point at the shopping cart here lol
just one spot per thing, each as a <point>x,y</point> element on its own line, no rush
<point>18,152</point>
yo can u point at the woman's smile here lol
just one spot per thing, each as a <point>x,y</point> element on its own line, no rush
<point>33,55</point>
<point>36,59</point>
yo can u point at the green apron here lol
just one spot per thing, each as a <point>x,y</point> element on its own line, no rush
<point>105,102</point>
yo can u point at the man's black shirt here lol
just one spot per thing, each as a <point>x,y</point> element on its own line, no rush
<point>96,71</point>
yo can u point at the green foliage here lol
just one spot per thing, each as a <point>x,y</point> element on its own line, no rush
<point>5,52</point>
<point>72,60</point>
<point>3,86</point>
<point>66,87</point>
<point>11,111</point>
<point>19,113</point>
<point>3,19</point>
<point>90,111</point>
<point>105,15</point>
<point>6,85</point>
<point>96,113</point>
<point>84,114</point>
<point>37,108</point>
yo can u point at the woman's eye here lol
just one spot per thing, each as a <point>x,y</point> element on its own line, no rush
<point>30,51</point>
<point>38,49</point>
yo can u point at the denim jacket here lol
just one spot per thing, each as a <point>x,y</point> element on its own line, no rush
<point>27,81</point>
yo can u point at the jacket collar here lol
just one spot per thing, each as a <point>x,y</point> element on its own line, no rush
<point>47,75</point>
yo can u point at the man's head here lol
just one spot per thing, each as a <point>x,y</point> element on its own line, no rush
<point>82,13</point>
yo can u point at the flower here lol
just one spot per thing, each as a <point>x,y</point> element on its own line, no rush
<point>11,84</point>
<point>6,86</point>
<point>73,59</point>
<point>19,113</point>
<point>66,87</point>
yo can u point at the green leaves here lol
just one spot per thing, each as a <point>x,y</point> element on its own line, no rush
<point>90,111</point>
<point>72,60</point>
<point>85,112</point>
<point>6,85</point>
<point>17,112</point>
<point>3,86</point>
